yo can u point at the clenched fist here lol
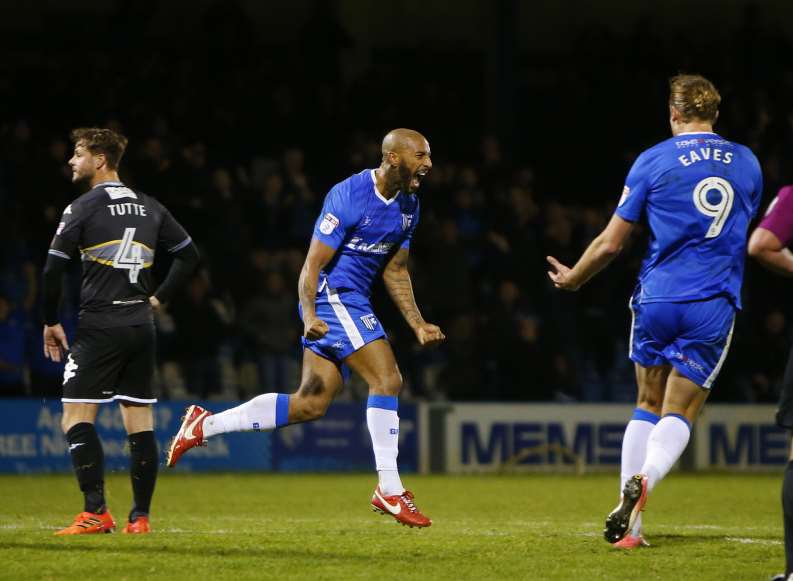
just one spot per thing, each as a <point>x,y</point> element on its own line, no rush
<point>314,328</point>
<point>428,334</point>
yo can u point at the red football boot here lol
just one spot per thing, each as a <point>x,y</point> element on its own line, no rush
<point>89,523</point>
<point>632,501</point>
<point>401,507</point>
<point>137,527</point>
<point>190,434</point>
<point>630,542</point>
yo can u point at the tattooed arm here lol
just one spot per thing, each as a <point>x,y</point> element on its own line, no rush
<point>397,280</point>
<point>319,254</point>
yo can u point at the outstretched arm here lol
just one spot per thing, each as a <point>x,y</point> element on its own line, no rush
<point>596,257</point>
<point>397,280</point>
<point>769,251</point>
<point>319,254</point>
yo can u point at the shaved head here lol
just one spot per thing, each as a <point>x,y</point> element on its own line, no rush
<point>400,140</point>
<point>406,160</point>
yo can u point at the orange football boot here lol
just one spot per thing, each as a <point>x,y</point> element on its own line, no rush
<point>89,523</point>
<point>138,527</point>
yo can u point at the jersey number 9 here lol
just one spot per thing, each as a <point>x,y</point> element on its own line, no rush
<point>718,211</point>
<point>129,256</point>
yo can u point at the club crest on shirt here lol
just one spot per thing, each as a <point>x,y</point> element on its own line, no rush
<point>626,191</point>
<point>328,224</point>
<point>369,321</point>
<point>407,220</point>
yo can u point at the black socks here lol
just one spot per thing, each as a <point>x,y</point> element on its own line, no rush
<point>88,460</point>
<point>143,464</point>
<point>787,511</point>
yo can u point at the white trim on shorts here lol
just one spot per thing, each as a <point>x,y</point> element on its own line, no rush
<point>135,399</point>
<point>633,323</point>
<point>108,400</point>
<point>344,317</point>
<point>85,400</point>
<point>715,373</point>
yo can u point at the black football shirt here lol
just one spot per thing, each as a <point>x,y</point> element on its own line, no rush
<point>116,231</point>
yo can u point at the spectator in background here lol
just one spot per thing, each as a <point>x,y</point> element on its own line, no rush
<point>193,183</point>
<point>203,320</point>
<point>529,369</point>
<point>154,169</point>
<point>271,329</point>
<point>269,214</point>
<point>513,238</point>
<point>500,335</point>
<point>451,289</point>
<point>766,356</point>
<point>461,375</point>
<point>302,202</point>
<point>12,349</point>
<point>230,230</point>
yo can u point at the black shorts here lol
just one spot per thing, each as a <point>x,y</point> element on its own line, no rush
<point>105,365</point>
<point>784,414</point>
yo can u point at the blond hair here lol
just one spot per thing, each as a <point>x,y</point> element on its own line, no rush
<point>695,97</point>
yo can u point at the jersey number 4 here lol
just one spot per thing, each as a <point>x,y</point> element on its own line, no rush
<point>718,211</point>
<point>129,256</point>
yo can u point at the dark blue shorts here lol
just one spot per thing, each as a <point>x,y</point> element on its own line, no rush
<point>694,336</point>
<point>352,324</point>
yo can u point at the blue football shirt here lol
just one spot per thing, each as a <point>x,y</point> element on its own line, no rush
<point>699,192</point>
<point>365,229</point>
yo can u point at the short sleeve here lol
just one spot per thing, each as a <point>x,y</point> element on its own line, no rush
<point>337,217</point>
<point>413,222</point>
<point>70,230</point>
<point>634,194</point>
<point>172,236</point>
<point>779,216</point>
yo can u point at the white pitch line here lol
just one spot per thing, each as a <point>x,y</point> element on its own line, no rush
<point>748,541</point>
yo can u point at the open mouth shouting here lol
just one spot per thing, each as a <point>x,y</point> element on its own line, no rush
<point>415,181</point>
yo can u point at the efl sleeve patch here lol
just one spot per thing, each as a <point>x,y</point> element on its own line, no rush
<point>328,224</point>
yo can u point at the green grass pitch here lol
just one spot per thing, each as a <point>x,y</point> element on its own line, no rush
<point>268,526</point>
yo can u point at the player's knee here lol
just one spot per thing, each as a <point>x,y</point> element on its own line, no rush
<point>307,409</point>
<point>389,385</point>
<point>69,420</point>
<point>650,402</point>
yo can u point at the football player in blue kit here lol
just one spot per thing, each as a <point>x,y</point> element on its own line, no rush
<point>364,229</point>
<point>698,192</point>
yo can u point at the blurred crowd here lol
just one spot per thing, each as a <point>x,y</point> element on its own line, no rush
<point>242,155</point>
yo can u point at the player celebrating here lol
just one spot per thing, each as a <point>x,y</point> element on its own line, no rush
<point>768,244</point>
<point>365,227</point>
<point>699,193</point>
<point>116,230</point>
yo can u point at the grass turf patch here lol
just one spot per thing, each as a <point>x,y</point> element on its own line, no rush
<point>259,526</point>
